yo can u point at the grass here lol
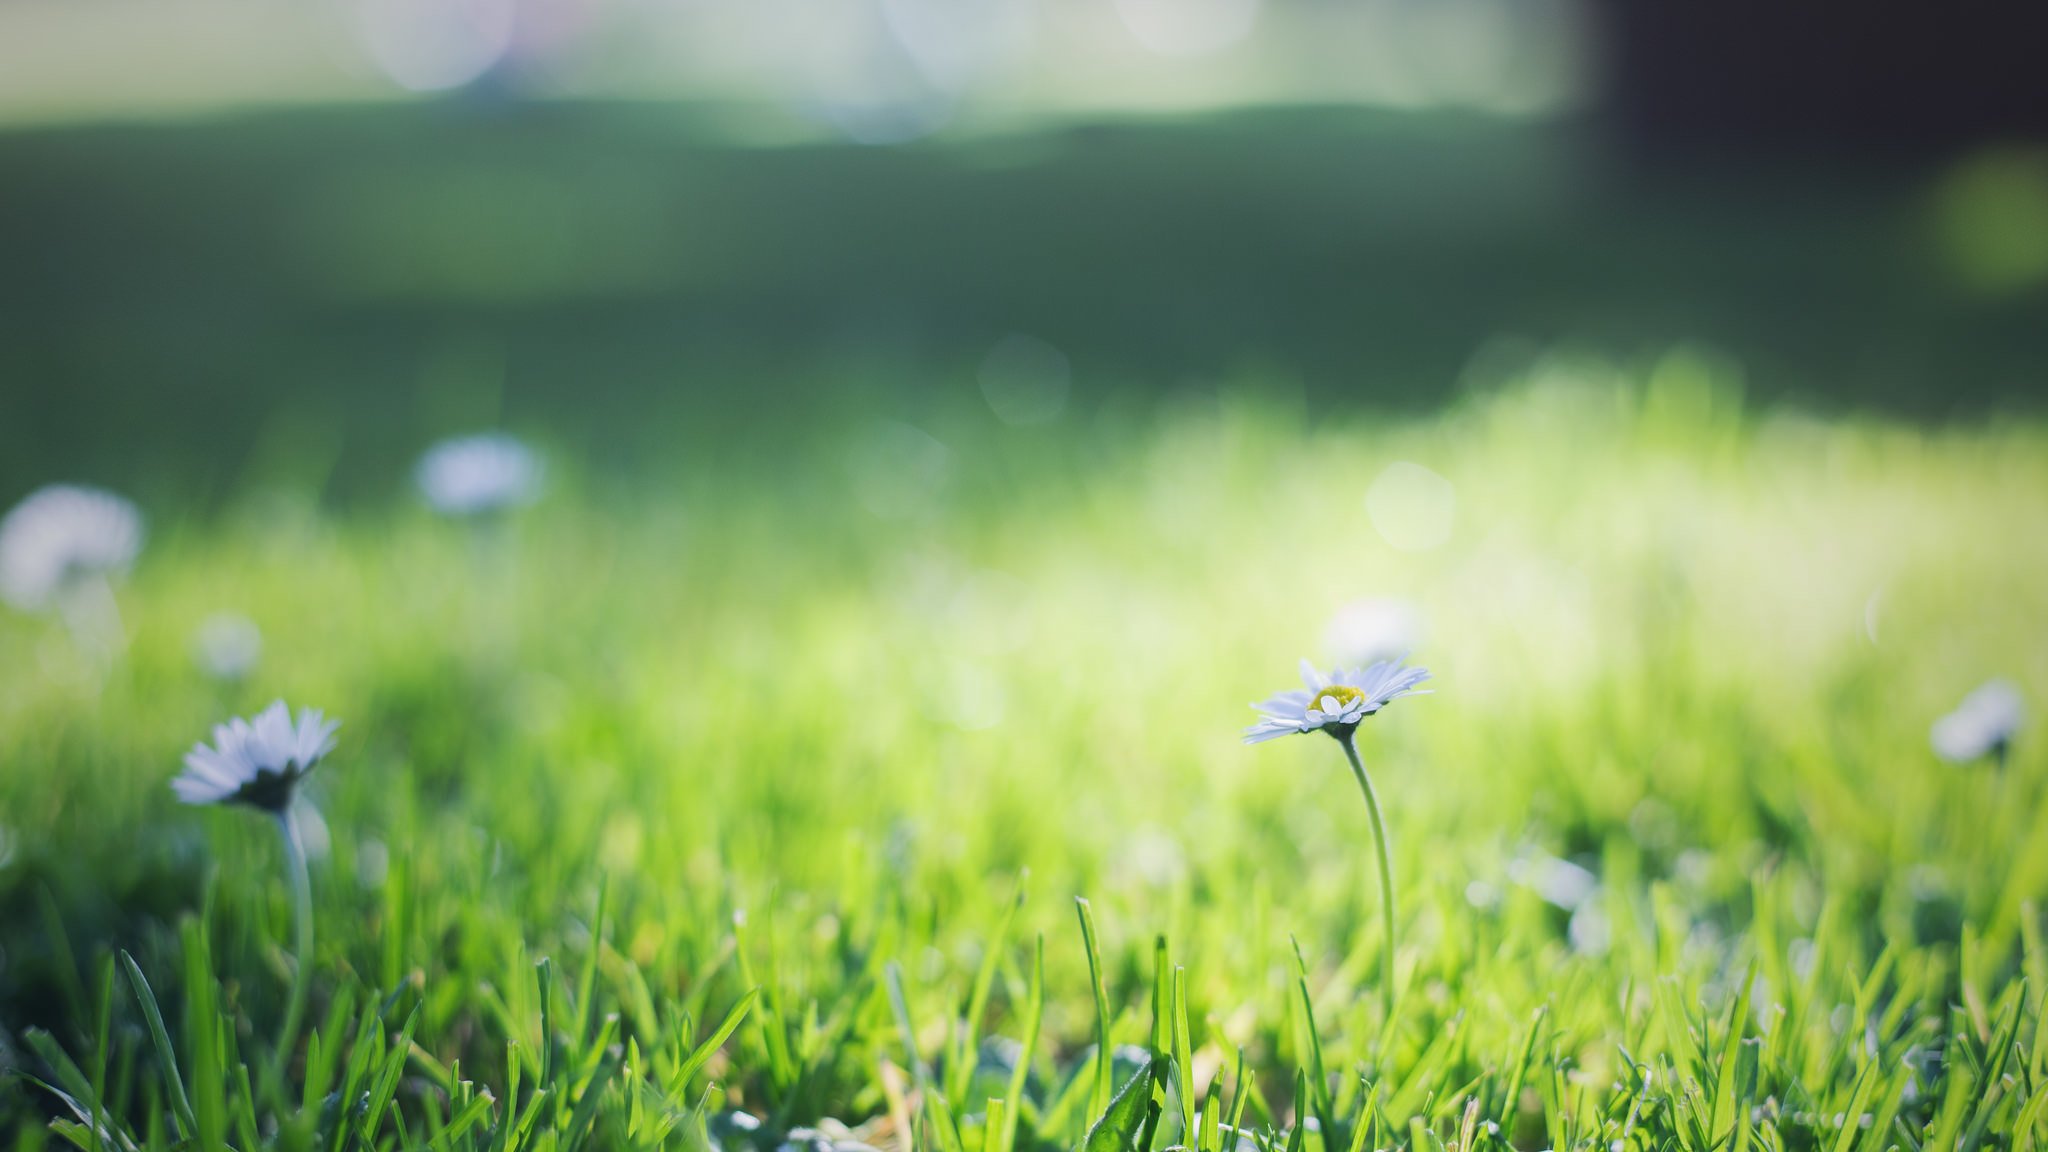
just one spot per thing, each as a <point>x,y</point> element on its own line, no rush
<point>718,808</point>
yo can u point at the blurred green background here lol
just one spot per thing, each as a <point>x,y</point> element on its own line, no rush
<point>620,274</point>
<point>373,224</point>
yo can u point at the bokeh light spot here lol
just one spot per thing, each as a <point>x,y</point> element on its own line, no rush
<point>1991,214</point>
<point>435,45</point>
<point>1025,380</point>
<point>1188,27</point>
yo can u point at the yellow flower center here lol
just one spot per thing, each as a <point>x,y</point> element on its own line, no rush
<point>1344,694</point>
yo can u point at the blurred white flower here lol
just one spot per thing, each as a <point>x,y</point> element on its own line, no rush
<point>62,534</point>
<point>1559,882</point>
<point>1335,703</point>
<point>1590,931</point>
<point>470,475</point>
<point>1982,725</point>
<point>258,763</point>
<point>227,645</point>
<point>1364,631</point>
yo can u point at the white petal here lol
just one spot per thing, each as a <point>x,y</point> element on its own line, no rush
<point>195,791</point>
<point>1261,736</point>
<point>211,769</point>
<point>1285,703</point>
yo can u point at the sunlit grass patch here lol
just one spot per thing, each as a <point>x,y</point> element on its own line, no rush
<point>701,811</point>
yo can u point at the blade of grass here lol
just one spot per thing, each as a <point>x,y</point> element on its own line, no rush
<point>960,1069</point>
<point>1034,1013</point>
<point>1098,1099</point>
<point>166,1055</point>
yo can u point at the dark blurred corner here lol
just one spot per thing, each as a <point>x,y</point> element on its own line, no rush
<point>1910,79</point>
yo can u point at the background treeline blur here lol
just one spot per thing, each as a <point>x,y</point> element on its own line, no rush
<point>243,240</point>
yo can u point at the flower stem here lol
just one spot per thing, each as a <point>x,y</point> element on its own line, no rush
<point>302,962</point>
<point>1379,837</point>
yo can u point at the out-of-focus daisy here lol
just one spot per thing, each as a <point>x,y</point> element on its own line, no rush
<point>61,535</point>
<point>227,645</point>
<point>1590,930</point>
<point>472,475</point>
<point>1982,725</point>
<point>1335,703</point>
<point>1560,882</point>
<point>1379,628</point>
<point>258,763</point>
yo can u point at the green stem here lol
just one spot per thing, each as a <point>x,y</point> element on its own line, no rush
<point>302,962</point>
<point>1379,837</point>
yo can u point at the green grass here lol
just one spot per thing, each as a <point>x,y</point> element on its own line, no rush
<point>718,792</point>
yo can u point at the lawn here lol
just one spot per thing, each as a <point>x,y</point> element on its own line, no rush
<point>747,801</point>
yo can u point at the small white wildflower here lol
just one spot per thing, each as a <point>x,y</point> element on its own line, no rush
<point>1982,725</point>
<point>1374,629</point>
<point>1560,882</point>
<point>62,534</point>
<point>471,475</point>
<point>259,762</point>
<point>1589,930</point>
<point>1335,703</point>
<point>227,645</point>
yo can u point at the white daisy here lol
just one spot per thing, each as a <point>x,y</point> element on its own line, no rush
<point>470,475</point>
<point>259,762</point>
<point>63,534</point>
<point>1982,725</point>
<point>1335,703</point>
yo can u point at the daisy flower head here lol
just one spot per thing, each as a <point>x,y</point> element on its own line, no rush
<point>1335,703</point>
<point>1982,725</point>
<point>256,762</point>
<point>473,475</point>
<point>60,535</point>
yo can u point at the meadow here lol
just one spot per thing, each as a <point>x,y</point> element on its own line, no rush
<point>746,804</point>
